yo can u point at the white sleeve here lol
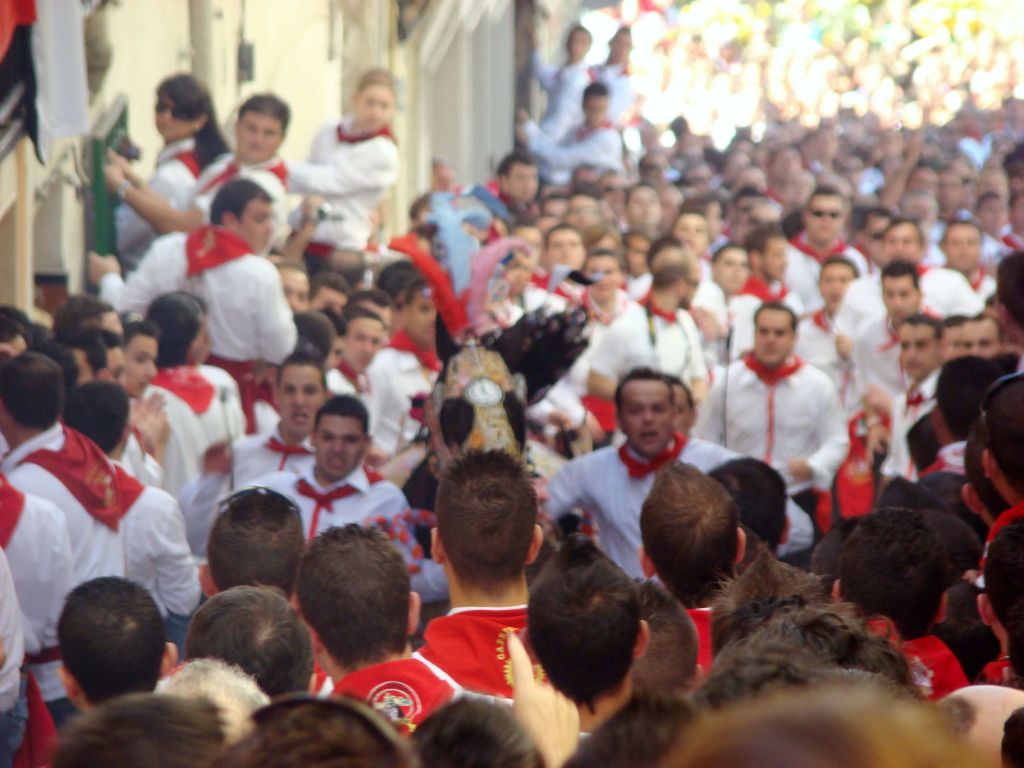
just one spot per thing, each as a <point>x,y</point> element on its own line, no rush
<point>696,369</point>
<point>833,437</point>
<point>13,636</point>
<point>567,489</point>
<point>603,150</point>
<point>177,578</point>
<point>374,165</point>
<point>275,326</point>
<point>546,74</point>
<point>618,353</point>
<point>161,270</point>
<point>710,416</point>
<point>197,502</point>
<point>112,289</point>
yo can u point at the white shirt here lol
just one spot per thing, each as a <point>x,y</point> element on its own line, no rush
<point>675,349</point>
<point>802,273</point>
<point>395,378</point>
<point>141,465</point>
<point>565,88</point>
<point>39,556</point>
<point>599,482</point>
<point>202,193</point>
<point>862,302</point>
<point>352,177</point>
<point>904,416</point>
<point>13,639</point>
<point>600,148</point>
<point>620,89</point>
<point>816,345</point>
<point>158,553</point>
<point>947,292</point>
<point>248,315</point>
<point>876,357</point>
<point>798,418</point>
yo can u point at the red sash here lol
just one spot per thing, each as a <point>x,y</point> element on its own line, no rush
<point>405,691</point>
<point>638,468</point>
<point>346,137</point>
<point>249,390</point>
<point>934,667</point>
<point>232,169</point>
<point>40,739</point>
<point>211,246</point>
<point>701,618</point>
<point>278,446</point>
<point>470,646</point>
<point>855,486</point>
<point>12,504</point>
<point>427,357</point>
<point>186,382</point>
<point>105,490</point>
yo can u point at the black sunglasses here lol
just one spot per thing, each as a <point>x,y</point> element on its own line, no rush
<point>257,491</point>
<point>338,707</point>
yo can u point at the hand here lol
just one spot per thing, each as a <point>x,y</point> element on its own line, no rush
<point>148,416</point>
<point>878,439</point>
<point>309,208</point>
<point>800,470</point>
<point>102,265</point>
<point>375,457</point>
<point>878,400</point>
<point>844,346</point>
<point>217,459</point>
<point>551,720</point>
<point>597,434</point>
<point>560,419</point>
<point>113,176</point>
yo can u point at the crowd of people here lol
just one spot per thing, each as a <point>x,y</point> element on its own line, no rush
<point>693,458</point>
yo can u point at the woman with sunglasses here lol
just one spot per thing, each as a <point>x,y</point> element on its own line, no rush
<point>186,121</point>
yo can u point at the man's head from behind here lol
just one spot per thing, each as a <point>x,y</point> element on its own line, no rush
<point>31,393</point>
<point>353,591</point>
<point>99,410</point>
<point>112,641</point>
<point>181,321</point>
<point>760,494</point>
<point>487,530</point>
<point>670,663</point>
<point>257,630</point>
<point>584,619</point>
<point>893,566</point>
<point>1003,418</point>
<point>690,531</point>
<point>244,207</point>
<point>959,391</point>
<point>1004,575</point>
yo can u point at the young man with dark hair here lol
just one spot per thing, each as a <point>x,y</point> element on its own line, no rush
<point>920,341</point>
<point>354,572</point>
<point>760,495</point>
<point>768,252</point>
<point>670,664</point>
<point>254,628</point>
<point>98,354</point>
<point>220,263</point>
<point>983,337</point>
<point>1010,292</point>
<point>329,291</point>
<point>486,535</point>
<point>893,567</point>
<point>580,589</point>
<point>295,281</point>
<point>1004,592</point>
<point>112,642</point>
<point>365,334</point>
<point>81,311</point>
<point>692,541</point>
<point>517,185</point>
<point>613,482</point>
<point>959,391</point>
<point>1002,415</point>
<point>643,210</point>
<point>961,244</point>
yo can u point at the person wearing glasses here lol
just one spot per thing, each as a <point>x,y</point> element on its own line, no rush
<point>824,217</point>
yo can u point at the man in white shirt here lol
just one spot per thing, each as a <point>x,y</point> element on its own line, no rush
<point>659,334</point>
<point>772,406</point>
<point>564,85</point>
<point>147,443</point>
<point>612,483</point>
<point>365,335</point>
<point>596,142</point>
<point>615,74</point>
<point>249,317</point>
<point>920,339</point>
<point>961,243</point>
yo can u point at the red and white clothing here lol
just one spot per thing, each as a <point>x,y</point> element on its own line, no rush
<point>13,638</point>
<point>618,79</point>
<point>248,316</point>
<point>397,376</point>
<point>611,484</point>
<point>668,342</point>
<point>272,175</point>
<point>862,302</point>
<point>816,345</point>
<point>876,358</point>
<point>175,174</point>
<point>352,172</point>
<point>804,266</point>
<point>1006,517</point>
<point>950,460</point>
<point>469,648</point>
<point>947,292</point>
<point>774,291</point>
<point>916,402</point>
<point>203,407</point>
<point>982,284</point>
<point>564,87</point>
<point>35,539</point>
<point>405,691</point>
<point>933,667</point>
<point>600,147</point>
<point>789,412</point>
<point>140,464</point>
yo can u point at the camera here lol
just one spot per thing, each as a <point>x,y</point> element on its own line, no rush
<point>326,212</point>
<point>127,149</point>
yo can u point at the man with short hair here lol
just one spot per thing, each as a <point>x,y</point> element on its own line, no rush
<point>982,337</point>
<point>670,664</point>
<point>563,252</point>
<point>615,74</point>
<point>517,185</point>
<point>580,589</point>
<point>1004,588</point>
<point>692,540</point>
<point>354,573</point>
<point>768,253</point>
<point>295,281</point>
<point>486,535</point>
<point>144,453</point>
<point>920,342</point>
<point>774,407</point>
<point>961,244</point>
<point>643,210</point>
<point>1002,414</point>
<point>1010,292</point>
<point>365,335</point>
<point>112,642</point>
<point>612,482</point>
<point>959,390</point>
<point>329,291</point>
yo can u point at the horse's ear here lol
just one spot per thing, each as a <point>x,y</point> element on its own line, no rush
<point>447,347</point>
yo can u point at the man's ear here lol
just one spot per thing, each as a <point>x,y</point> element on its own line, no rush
<point>535,544</point>
<point>646,566</point>
<point>643,639</point>
<point>437,553</point>
<point>784,536</point>
<point>206,582</point>
<point>940,612</point>
<point>414,613</point>
<point>169,660</point>
<point>985,610</point>
<point>837,591</point>
<point>989,464</point>
<point>741,544</point>
<point>73,690</point>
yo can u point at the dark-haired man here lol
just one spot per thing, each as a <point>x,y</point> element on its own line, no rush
<point>612,483</point>
<point>1004,591</point>
<point>365,334</point>
<point>517,183</point>
<point>1003,458</point>
<point>351,572</point>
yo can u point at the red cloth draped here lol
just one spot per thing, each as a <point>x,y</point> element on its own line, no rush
<point>186,382</point>
<point>211,246</point>
<point>427,357</point>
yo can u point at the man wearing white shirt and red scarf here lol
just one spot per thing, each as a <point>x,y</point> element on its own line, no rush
<point>612,483</point>
<point>249,317</point>
<point>772,406</point>
<point>823,218</point>
<point>961,244</point>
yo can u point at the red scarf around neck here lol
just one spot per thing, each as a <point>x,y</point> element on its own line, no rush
<point>190,160</point>
<point>352,137</point>
<point>277,445</point>
<point>755,286</point>
<point>652,308</point>
<point>12,503</point>
<point>104,489</point>
<point>232,169</point>
<point>427,357</point>
<point>772,376</point>
<point>639,468</point>
<point>188,383</point>
<point>211,246</point>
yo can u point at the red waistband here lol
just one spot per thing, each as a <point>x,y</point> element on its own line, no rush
<point>320,250</point>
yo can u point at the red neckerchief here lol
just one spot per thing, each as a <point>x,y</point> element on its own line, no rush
<point>104,489</point>
<point>915,399</point>
<point>188,383</point>
<point>427,357</point>
<point>471,647</point>
<point>345,137</point>
<point>977,281</point>
<point>540,278</point>
<point>800,243</point>
<point>772,376</point>
<point>232,169</point>
<point>893,337</point>
<point>12,504</point>
<point>820,319</point>
<point>1013,241</point>
<point>755,286</point>
<point>584,132</point>
<point>405,691</point>
<point>701,618</point>
<point>324,501</point>
<point>211,246</point>
<point>189,159</point>
<point>599,315</point>
<point>352,375</point>
<point>638,468</point>
<point>668,317</point>
<point>940,672</point>
<point>279,446</point>
<point>922,269</point>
